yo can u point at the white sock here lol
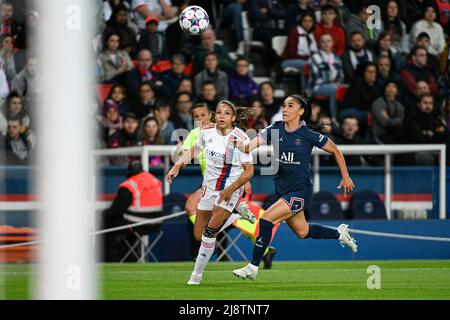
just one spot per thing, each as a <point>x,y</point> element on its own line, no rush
<point>230,220</point>
<point>204,254</point>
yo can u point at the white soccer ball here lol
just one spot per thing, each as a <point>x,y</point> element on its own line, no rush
<point>194,20</point>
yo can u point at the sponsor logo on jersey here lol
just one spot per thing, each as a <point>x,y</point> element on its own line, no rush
<point>215,155</point>
<point>288,158</point>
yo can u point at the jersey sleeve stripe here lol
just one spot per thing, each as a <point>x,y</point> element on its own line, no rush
<point>326,143</point>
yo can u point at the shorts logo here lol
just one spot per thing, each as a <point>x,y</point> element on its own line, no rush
<point>203,191</point>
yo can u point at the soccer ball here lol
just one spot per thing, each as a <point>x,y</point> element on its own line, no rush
<point>194,20</point>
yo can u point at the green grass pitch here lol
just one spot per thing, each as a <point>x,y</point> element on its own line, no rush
<point>285,281</point>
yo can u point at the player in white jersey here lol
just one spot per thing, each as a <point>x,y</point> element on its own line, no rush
<point>227,170</point>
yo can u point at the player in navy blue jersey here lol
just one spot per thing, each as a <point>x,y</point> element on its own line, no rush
<point>293,142</point>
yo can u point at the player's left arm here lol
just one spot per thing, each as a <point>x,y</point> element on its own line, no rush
<point>243,179</point>
<point>346,181</point>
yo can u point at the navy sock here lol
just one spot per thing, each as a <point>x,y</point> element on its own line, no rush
<point>317,231</point>
<point>262,241</point>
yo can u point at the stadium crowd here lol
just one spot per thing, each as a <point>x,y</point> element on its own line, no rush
<point>384,85</point>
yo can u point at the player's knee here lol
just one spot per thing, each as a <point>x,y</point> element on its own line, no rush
<point>211,230</point>
<point>190,208</point>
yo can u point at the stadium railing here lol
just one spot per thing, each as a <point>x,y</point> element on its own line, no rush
<point>264,152</point>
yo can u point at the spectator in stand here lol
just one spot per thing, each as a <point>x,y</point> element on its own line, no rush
<point>127,137</point>
<point>242,88</point>
<point>363,90</point>
<point>415,71</point>
<point>7,57</point>
<point>178,41</point>
<point>27,81</point>
<point>208,95</point>
<point>295,12</point>
<point>8,25</point>
<point>171,79</point>
<point>118,24</point>
<point>385,73</point>
<point>423,40</point>
<point>213,73</point>
<point>153,40</point>
<point>392,23</point>
<point>327,127</point>
<point>111,120</point>
<point>109,6</point>
<point>148,99</point>
<point>388,116</point>
<point>301,44</point>
<point>357,54</point>
<point>271,104</point>
<point>186,86</point>
<point>359,23</point>
<point>182,117</point>
<point>434,30</point>
<point>425,127</point>
<point>232,16</point>
<point>114,63</point>
<point>349,135</point>
<point>162,114</point>
<point>142,72</point>
<point>384,47</point>
<point>150,135</point>
<point>17,146</point>
<point>326,73</point>
<point>14,107</point>
<point>264,16</point>
<point>342,10</point>
<point>161,8</point>
<point>208,38</point>
<point>443,14</point>
<point>118,95</point>
<point>257,120</point>
<point>329,25</point>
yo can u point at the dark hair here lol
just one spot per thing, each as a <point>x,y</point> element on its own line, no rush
<point>423,35</point>
<point>304,103</point>
<point>210,53</point>
<point>162,104</point>
<point>270,84</point>
<point>114,86</point>
<point>351,116</point>
<point>356,32</point>
<point>329,7</point>
<point>425,95</point>
<point>308,14</point>
<point>241,58</point>
<point>115,11</point>
<point>182,93</point>
<point>108,35</point>
<point>200,105</point>
<point>178,57</point>
<point>242,114</point>
<point>14,94</point>
<point>415,48</point>
<point>395,25</point>
<point>158,138</point>
<point>208,82</point>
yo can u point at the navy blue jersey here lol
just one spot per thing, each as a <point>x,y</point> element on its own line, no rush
<point>293,154</point>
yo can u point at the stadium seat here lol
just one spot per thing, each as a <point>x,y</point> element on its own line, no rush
<point>325,206</point>
<point>341,91</point>
<point>103,92</point>
<point>248,36</point>
<point>366,204</point>
<point>278,44</point>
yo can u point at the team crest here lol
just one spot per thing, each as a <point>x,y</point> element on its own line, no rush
<point>298,142</point>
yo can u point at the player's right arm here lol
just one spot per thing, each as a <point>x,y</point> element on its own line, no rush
<point>263,137</point>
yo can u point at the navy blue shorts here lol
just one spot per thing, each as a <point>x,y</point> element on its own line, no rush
<point>298,200</point>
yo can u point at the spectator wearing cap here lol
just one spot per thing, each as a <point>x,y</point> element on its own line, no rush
<point>111,119</point>
<point>161,8</point>
<point>330,25</point>
<point>118,24</point>
<point>147,100</point>
<point>126,137</point>
<point>424,40</point>
<point>140,73</point>
<point>434,30</point>
<point>153,40</point>
<point>114,63</point>
<point>388,116</point>
<point>171,79</point>
<point>214,74</point>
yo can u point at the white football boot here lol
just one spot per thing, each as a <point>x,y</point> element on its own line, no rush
<point>345,239</point>
<point>247,272</point>
<point>245,212</point>
<point>195,279</point>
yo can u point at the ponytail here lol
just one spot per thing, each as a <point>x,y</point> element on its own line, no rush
<point>242,114</point>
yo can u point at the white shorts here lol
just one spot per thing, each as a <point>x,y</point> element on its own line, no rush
<point>209,198</point>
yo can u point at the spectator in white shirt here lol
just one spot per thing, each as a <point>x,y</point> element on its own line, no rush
<point>161,8</point>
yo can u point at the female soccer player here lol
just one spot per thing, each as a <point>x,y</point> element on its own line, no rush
<point>227,170</point>
<point>293,143</point>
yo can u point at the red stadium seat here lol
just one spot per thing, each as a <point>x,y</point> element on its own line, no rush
<point>103,92</point>
<point>340,93</point>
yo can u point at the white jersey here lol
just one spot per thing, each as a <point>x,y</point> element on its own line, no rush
<point>223,159</point>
